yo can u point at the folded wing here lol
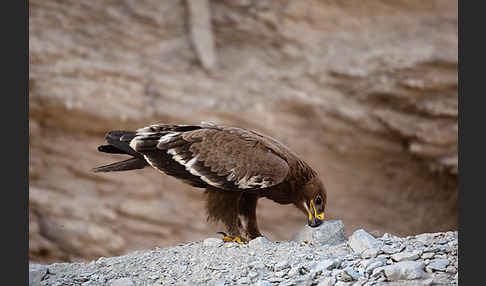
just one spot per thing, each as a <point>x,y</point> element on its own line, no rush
<point>221,157</point>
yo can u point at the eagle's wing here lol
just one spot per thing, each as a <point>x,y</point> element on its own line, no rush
<point>222,157</point>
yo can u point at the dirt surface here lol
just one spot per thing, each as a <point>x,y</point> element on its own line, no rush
<point>365,92</point>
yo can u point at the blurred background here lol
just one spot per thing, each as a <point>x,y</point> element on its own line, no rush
<point>364,91</point>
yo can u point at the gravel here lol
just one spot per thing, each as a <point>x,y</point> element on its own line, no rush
<point>415,260</point>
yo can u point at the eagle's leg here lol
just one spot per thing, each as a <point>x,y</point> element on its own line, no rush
<point>247,215</point>
<point>223,206</point>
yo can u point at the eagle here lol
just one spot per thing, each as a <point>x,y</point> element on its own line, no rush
<point>235,167</point>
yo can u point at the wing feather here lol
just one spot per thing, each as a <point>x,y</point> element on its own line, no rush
<point>223,157</point>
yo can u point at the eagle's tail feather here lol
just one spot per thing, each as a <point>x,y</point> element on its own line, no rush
<point>129,164</point>
<point>120,140</point>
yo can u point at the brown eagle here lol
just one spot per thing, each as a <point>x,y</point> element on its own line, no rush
<point>235,166</point>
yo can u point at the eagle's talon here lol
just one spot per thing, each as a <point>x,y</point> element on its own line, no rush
<point>229,238</point>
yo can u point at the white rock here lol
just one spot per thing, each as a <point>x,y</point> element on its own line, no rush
<point>213,242</point>
<point>349,274</point>
<point>370,252</point>
<point>438,264</point>
<point>424,237</point>
<point>295,271</point>
<point>392,249</point>
<point>263,283</point>
<point>328,281</point>
<point>122,282</point>
<point>281,265</point>
<point>258,242</point>
<point>372,266</point>
<point>342,283</point>
<point>275,279</point>
<point>405,270</point>
<point>428,255</point>
<point>360,241</point>
<point>231,244</point>
<point>243,280</point>
<point>330,232</point>
<point>326,264</point>
<point>406,256</point>
<point>281,273</point>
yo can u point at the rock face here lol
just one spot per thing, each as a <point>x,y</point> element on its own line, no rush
<point>282,263</point>
<point>365,92</point>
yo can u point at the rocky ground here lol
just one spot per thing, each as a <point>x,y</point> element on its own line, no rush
<point>320,256</point>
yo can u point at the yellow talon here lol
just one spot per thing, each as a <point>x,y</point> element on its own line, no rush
<point>228,238</point>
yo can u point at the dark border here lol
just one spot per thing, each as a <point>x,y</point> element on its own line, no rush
<point>460,145</point>
<point>20,36</point>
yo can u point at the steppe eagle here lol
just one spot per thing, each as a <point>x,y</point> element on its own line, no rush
<point>235,166</point>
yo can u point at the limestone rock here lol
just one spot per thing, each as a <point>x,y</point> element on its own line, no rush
<point>405,270</point>
<point>360,241</point>
<point>407,255</point>
<point>330,232</point>
<point>258,242</point>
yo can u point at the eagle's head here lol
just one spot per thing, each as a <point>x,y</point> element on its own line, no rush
<point>313,202</point>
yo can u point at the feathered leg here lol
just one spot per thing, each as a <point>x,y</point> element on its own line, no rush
<point>247,211</point>
<point>223,206</point>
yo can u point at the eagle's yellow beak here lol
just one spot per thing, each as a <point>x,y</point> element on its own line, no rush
<point>315,219</point>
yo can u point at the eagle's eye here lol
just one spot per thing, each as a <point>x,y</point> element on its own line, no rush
<point>318,200</point>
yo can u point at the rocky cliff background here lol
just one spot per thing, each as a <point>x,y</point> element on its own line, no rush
<point>365,92</point>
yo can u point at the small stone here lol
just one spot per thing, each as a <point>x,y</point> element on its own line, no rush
<point>428,255</point>
<point>374,265</point>
<point>360,241</point>
<point>326,264</point>
<point>293,272</point>
<point>303,270</point>
<point>405,270</point>
<point>406,256</point>
<point>349,274</point>
<point>281,273</point>
<point>432,249</point>
<point>36,274</point>
<point>392,249</point>
<point>258,242</point>
<point>342,283</point>
<point>122,282</point>
<point>281,265</point>
<point>362,282</point>
<point>275,279</point>
<point>213,242</point>
<point>252,274</point>
<point>370,252</point>
<point>231,244</point>
<point>328,281</point>
<point>451,269</point>
<point>387,236</point>
<point>220,283</point>
<point>330,232</point>
<point>424,237</point>
<point>243,280</point>
<point>438,264</point>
